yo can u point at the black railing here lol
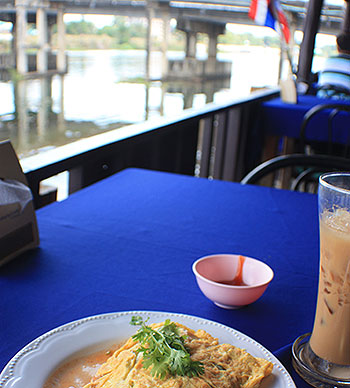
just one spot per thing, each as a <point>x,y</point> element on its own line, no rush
<point>214,142</point>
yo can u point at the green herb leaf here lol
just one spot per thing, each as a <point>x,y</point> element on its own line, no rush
<point>164,350</point>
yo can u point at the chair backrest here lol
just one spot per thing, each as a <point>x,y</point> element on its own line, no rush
<point>332,110</point>
<point>309,165</point>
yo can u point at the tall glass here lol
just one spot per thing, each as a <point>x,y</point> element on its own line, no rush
<point>323,358</point>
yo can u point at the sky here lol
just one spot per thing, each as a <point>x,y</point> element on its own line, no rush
<point>98,20</point>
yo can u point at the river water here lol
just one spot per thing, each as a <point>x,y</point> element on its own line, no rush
<point>103,90</point>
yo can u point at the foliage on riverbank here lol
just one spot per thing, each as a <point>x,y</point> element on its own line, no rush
<point>105,42</point>
<point>126,34</point>
<point>121,34</point>
<point>177,41</point>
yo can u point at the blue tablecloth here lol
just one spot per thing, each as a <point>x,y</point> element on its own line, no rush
<point>283,119</point>
<point>128,243</point>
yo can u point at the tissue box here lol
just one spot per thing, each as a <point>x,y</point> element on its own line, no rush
<point>18,225</point>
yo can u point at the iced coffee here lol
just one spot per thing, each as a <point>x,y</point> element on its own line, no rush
<point>330,338</point>
<point>322,358</point>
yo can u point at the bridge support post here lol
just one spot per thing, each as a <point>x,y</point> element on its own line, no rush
<point>61,35</point>
<point>166,24</point>
<point>42,54</point>
<point>191,44</point>
<point>193,67</point>
<point>21,37</point>
<point>212,47</point>
<point>150,16</point>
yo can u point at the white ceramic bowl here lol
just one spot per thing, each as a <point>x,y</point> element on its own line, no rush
<point>211,271</point>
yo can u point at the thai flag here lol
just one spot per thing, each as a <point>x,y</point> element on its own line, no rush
<point>270,14</point>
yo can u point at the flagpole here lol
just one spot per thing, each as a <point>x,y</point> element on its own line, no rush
<point>285,46</point>
<point>289,56</point>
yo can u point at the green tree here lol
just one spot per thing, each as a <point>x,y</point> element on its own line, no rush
<point>122,30</point>
<point>80,27</point>
<point>241,39</point>
<point>111,31</point>
<point>137,30</point>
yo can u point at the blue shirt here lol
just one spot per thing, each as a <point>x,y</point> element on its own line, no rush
<point>334,79</point>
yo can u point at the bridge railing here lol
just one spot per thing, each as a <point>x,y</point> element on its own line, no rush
<point>214,142</point>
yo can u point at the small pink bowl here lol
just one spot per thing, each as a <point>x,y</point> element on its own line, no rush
<point>213,269</point>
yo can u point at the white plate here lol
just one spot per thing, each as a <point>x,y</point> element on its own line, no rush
<point>30,367</point>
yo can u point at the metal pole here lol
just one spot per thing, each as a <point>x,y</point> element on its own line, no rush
<point>343,38</point>
<point>312,22</point>
<point>346,23</point>
<point>284,44</point>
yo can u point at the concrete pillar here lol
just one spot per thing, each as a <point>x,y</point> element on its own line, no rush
<point>213,40</point>
<point>61,36</point>
<point>191,44</point>
<point>42,54</point>
<point>150,16</point>
<point>165,40</point>
<point>21,37</point>
<point>212,46</point>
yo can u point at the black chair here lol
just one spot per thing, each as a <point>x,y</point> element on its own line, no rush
<point>305,169</point>
<point>330,148</point>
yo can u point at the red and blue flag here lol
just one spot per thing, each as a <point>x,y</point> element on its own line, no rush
<point>269,13</point>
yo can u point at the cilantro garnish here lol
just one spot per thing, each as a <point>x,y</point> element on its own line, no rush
<point>164,350</point>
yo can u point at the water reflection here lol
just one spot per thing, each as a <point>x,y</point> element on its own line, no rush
<point>46,113</point>
<point>102,91</point>
<point>40,120</point>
